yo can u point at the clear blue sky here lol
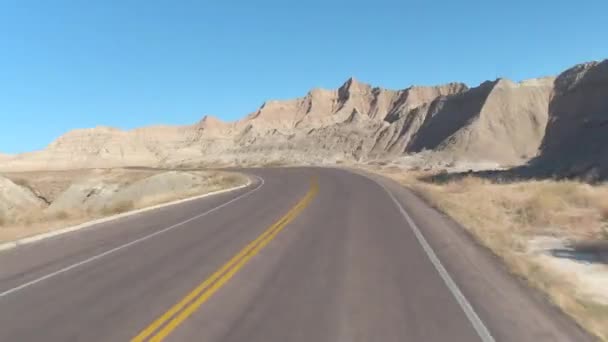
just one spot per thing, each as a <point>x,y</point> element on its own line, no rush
<point>74,64</point>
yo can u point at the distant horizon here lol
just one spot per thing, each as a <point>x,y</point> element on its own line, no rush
<point>286,99</point>
<point>119,64</point>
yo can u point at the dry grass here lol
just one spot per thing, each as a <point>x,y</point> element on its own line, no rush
<point>574,210</point>
<point>225,180</point>
<point>50,184</point>
<point>504,217</point>
<point>603,209</point>
<point>274,163</point>
<point>38,216</point>
<point>118,208</point>
<point>166,198</point>
<point>215,181</point>
<point>61,215</point>
<point>22,182</point>
<point>39,220</point>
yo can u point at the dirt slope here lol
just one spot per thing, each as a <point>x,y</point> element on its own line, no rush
<point>15,198</point>
<point>39,201</point>
<point>500,121</point>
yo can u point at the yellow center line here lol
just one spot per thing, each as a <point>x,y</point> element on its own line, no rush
<point>171,319</point>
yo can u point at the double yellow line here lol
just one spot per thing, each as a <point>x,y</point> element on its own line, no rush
<point>170,320</point>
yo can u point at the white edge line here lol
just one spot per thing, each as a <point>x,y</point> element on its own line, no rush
<point>43,236</point>
<point>477,323</point>
<point>8,245</point>
<point>116,249</point>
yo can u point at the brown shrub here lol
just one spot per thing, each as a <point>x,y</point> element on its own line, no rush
<point>466,184</point>
<point>538,208</point>
<point>61,215</point>
<point>572,193</point>
<point>22,182</point>
<point>118,208</point>
<point>603,210</point>
<point>274,163</point>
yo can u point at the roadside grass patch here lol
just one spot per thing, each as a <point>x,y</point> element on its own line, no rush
<point>506,216</point>
<point>274,163</point>
<point>30,219</point>
<point>61,215</point>
<point>22,182</point>
<point>118,207</point>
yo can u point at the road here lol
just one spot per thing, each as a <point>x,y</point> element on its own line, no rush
<point>303,254</point>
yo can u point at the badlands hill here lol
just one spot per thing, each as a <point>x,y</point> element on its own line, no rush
<point>560,122</point>
<point>576,139</point>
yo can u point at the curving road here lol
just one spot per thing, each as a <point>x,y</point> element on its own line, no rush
<point>303,254</point>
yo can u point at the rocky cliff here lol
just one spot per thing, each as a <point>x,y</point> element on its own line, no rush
<point>576,139</point>
<point>560,122</point>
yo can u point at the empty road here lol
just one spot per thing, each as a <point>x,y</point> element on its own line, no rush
<point>303,254</point>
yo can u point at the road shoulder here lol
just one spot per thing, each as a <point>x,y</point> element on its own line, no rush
<point>511,310</point>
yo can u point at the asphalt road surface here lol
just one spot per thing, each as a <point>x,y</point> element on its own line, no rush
<point>303,254</point>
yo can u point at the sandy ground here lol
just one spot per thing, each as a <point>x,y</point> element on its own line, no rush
<point>50,184</point>
<point>554,234</point>
<point>587,268</point>
<point>41,201</point>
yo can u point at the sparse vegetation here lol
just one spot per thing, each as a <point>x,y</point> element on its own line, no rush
<point>227,180</point>
<point>604,211</point>
<point>574,209</point>
<point>61,215</point>
<point>505,216</point>
<point>275,163</point>
<point>75,208</point>
<point>118,208</point>
<point>22,182</point>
